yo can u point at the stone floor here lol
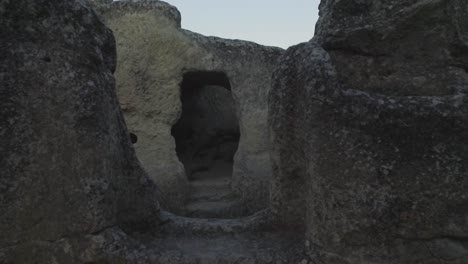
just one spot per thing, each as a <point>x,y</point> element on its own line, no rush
<point>184,240</point>
<point>210,233</point>
<point>223,249</point>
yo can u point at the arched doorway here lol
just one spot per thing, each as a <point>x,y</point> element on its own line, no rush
<point>207,136</point>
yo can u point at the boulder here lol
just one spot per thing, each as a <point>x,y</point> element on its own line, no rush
<point>68,171</point>
<point>368,124</point>
<point>155,58</point>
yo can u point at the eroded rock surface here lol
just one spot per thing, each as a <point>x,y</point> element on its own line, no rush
<point>154,56</point>
<point>70,181</point>
<point>369,125</point>
<point>400,48</point>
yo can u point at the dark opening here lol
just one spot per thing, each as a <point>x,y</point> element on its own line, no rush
<point>200,78</point>
<point>133,138</point>
<point>207,136</point>
<point>46,59</point>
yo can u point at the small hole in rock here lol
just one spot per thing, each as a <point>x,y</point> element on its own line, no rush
<point>133,138</point>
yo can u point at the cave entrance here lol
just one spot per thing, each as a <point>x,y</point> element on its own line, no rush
<point>207,137</point>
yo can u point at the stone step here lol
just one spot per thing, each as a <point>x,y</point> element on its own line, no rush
<point>219,170</point>
<point>212,174</point>
<point>210,209</point>
<point>180,225</point>
<point>255,248</point>
<point>212,185</point>
<point>212,195</point>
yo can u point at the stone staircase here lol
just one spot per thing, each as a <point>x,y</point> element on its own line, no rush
<point>210,193</point>
<point>213,233</point>
<point>248,240</point>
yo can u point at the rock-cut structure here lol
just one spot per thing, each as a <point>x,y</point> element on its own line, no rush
<point>72,189</point>
<point>368,123</point>
<point>207,150</point>
<point>365,145</point>
<point>71,186</point>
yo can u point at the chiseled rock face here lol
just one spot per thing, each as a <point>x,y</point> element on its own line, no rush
<point>368,124</point>
<point>67,166</point>
<point>154,53</point>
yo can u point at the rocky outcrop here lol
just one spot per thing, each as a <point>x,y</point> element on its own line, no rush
<point>368,125</point>
<point>154,55</point>
<point>70,181</point>
<point>402,48</point>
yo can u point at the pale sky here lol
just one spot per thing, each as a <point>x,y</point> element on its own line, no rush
<point>281,23</point>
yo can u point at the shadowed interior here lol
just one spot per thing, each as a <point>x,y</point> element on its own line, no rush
<point>207,137</point>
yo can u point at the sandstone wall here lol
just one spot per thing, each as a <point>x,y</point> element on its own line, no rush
<point>368,125</point>
<point>153,54</point>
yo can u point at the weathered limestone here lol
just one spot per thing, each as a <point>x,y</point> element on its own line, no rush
<point>415,47</point>
<point>154,54</point>
<point>70,181</point>
<point>368,125</point>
